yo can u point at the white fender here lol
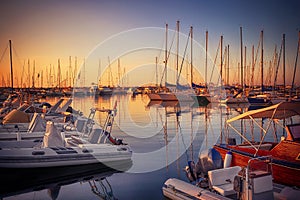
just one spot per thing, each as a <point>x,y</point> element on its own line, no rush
<point>227,160</point>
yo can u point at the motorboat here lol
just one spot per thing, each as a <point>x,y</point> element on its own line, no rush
<point>285,151</point>
<point>56,150</point>
<point>20,119</point>
<point>253,181</point>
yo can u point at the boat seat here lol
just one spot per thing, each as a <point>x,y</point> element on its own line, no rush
<point>221,180</point>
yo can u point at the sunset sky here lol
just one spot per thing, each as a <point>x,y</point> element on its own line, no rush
<point>48,30</point>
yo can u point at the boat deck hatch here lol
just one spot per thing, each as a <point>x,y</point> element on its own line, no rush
<point>63,150</point>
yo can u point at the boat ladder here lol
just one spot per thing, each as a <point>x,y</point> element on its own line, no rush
<point>107,125</point>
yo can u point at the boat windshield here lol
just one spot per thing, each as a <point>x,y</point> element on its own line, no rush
<point>293,132</point>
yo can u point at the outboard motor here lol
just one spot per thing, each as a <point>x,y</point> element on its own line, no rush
<point>209,159</point>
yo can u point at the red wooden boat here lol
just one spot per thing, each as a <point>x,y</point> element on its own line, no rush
<point>285,153</point>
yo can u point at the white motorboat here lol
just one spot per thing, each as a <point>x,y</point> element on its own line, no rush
<point>252,182</point>
<point>54,150</point>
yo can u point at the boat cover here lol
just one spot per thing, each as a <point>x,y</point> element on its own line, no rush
<point>37,124</point>
<point>16,116</point>
<point>52,137</point>
<point>277,111</point>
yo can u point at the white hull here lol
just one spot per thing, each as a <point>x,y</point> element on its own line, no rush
<point>64,156</point>
<point>180,190</point>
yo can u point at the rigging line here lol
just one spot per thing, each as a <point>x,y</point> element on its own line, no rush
<point>178,76</point>
<point>159,55</point>
<point>212,72</point>
<point>3,53</point>
<point>256,56</point>
<point>220,68</point>
<point>278,63</point>
<point>295,66</point>
<point>169,52</point>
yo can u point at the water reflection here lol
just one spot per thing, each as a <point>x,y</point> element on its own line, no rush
<point>54,182</point>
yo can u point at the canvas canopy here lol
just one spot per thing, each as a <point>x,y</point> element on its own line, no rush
<point>277,111</point>
<point>52,137</point>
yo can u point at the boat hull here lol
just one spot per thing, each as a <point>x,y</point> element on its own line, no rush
<point>168,96</point>
<point>154,97</point>
<point>259,101</point>
<point>284,172</point>
<point>201,100</point>
<point>110,155</point>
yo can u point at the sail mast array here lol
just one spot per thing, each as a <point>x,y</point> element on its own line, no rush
<point>245,72</point>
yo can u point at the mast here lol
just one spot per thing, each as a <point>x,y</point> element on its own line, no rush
<point>221,71</point>
<point>70,72</point>
<point>83,85</point>
<point>283,62</point>
<point>108,72</point>
<point>262,61</point>
<point>22,74</point>
<point>192,56</point>
<point>227,64</point>
<point>11,67</point>
<point>245,69</point>
<point>99,73</point>
<point>295,67</point>
<point>58,74</point>
<point>177,48</point>
<point>156,71</point>
<point>75,70</point>
<point>119,72</point>
<point>166,55</point>
<point>42,79</point>
<point>252,73</point>
<point>242,72</point>
<point>33,74</point>
<point>206,48</point>
<point>28,65</point>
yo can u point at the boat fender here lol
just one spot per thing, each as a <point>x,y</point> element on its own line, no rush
<point>227,160</point>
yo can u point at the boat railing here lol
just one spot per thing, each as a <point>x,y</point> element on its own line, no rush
<point>106,128</point>
<point>259,166</point>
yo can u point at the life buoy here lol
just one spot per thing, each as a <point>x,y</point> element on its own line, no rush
<point>227,160</point>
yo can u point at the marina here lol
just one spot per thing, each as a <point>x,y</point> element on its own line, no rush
<point>175,135</point>
<point>149,100</point>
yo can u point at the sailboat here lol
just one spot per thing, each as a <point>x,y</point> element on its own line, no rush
<point>106,90</point>
<point>239,97</point>
<point>178,92</point>
<point>184,93</point>
<point>261,99</point>
<point>167,95</point>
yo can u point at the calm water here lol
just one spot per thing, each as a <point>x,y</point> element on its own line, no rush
<point>163,137</point>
